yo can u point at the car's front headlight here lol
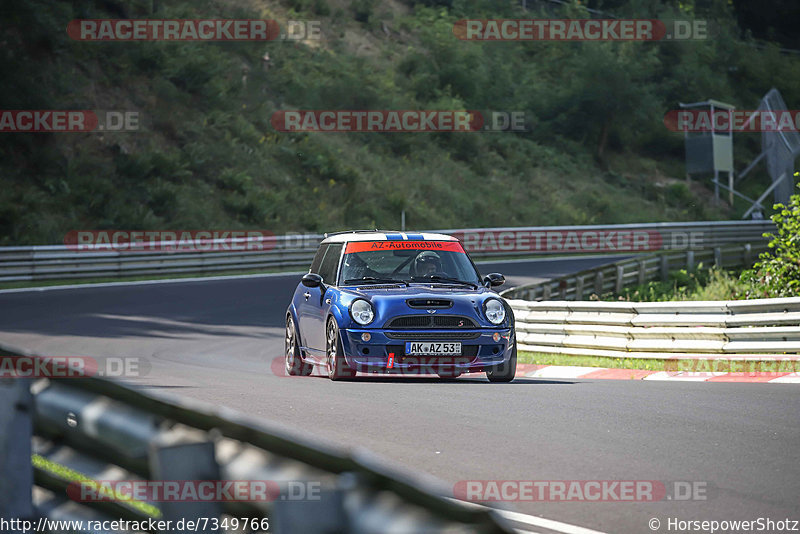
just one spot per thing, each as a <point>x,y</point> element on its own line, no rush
<point>362,312</point>
<point>494,310</point>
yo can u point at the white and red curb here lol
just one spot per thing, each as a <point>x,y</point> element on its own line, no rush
<point>527,370</point>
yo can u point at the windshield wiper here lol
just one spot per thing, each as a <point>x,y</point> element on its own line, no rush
<point>375,279</point>
<point>443,279</point>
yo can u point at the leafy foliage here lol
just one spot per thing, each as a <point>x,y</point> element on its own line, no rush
<point>777,273</point>
<point>699,284</point>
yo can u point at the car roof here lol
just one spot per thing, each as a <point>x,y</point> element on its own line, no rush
<point>346,237</point>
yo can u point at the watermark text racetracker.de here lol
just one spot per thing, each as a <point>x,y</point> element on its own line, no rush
<point>408,121</point>
<point>66,121</point>
<point>731,120</point>
<point>192,30</point>
<point>172,30</point>
<point>194,490</point>
<point>643,491</point>
<point>577,240</point>
<point>399,364</point>
<point>710,526</point>
<point>773,367</point>
<point>72,367</point>
<point>169,240</point>
<point>580,30</point>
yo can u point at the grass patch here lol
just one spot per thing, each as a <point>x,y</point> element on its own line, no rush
<point>539,358</point>
<point>65,473</point>
<point>700,284</point>
<point>711,364</point>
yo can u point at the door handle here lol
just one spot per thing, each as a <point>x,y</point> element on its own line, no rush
<point>307,295</point>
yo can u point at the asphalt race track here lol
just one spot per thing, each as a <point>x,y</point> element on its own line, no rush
<point>217,340</point>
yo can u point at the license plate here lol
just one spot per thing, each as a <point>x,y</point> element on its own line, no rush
<point>432,348</point>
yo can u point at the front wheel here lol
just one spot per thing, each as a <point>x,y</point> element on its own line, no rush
<point>337,365</point>
<point>506,371</point>
<point>295,366</point>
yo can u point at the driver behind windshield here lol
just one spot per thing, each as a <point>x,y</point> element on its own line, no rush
<point>426,264</point>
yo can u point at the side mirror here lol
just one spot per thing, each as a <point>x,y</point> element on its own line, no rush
<point>311,280</point>
<point>494,279</point>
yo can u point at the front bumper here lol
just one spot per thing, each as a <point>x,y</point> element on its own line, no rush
<point>385,351</point>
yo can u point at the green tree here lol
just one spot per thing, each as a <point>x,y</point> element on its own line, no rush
<point>605,92</point>
<point>777,274</point>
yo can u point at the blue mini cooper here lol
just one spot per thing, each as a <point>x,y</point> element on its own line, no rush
<point>383,302</point>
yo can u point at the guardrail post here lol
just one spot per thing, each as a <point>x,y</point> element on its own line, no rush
<point>598,283</point>
<point>664,268</point>
<point>620,279</point>
<point>546,291</point>
<point>690,260</point>
<point>182,456</point>
<point>562,289</point>
<point>579,287</point>
<point>16,470</point>
<point>326,512</point>
<point>718,257</point>
<point>747,254</point>
<point>642,272</point>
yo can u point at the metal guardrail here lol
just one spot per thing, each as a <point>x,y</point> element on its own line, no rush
<point>617,238</point>
<point>613,277</point>
<point>744,329</point>
<point>61,262</point>
<point>107,431</point>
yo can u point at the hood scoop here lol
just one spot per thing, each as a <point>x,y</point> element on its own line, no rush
<point>430,304</point>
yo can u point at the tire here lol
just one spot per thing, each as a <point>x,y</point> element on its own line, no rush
<point>294,364</point>
<point>334,354</point>
<point>504,372</point>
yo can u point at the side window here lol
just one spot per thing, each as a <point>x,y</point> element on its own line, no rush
<point>318,259</point>
<point>328,268</point>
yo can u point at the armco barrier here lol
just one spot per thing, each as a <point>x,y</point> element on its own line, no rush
<point>763,329</point>
<point>60,262</point>
<point>610,239</point>
<point>615,276</point>
<point>107,431</point>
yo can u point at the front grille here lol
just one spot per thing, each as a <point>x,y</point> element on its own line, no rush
<point>444,336</point>
<point>431,321</point>
<point>412,321</point>
<point>452,321</point>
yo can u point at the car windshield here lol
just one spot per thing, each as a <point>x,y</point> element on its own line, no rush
<point>442,262</point>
